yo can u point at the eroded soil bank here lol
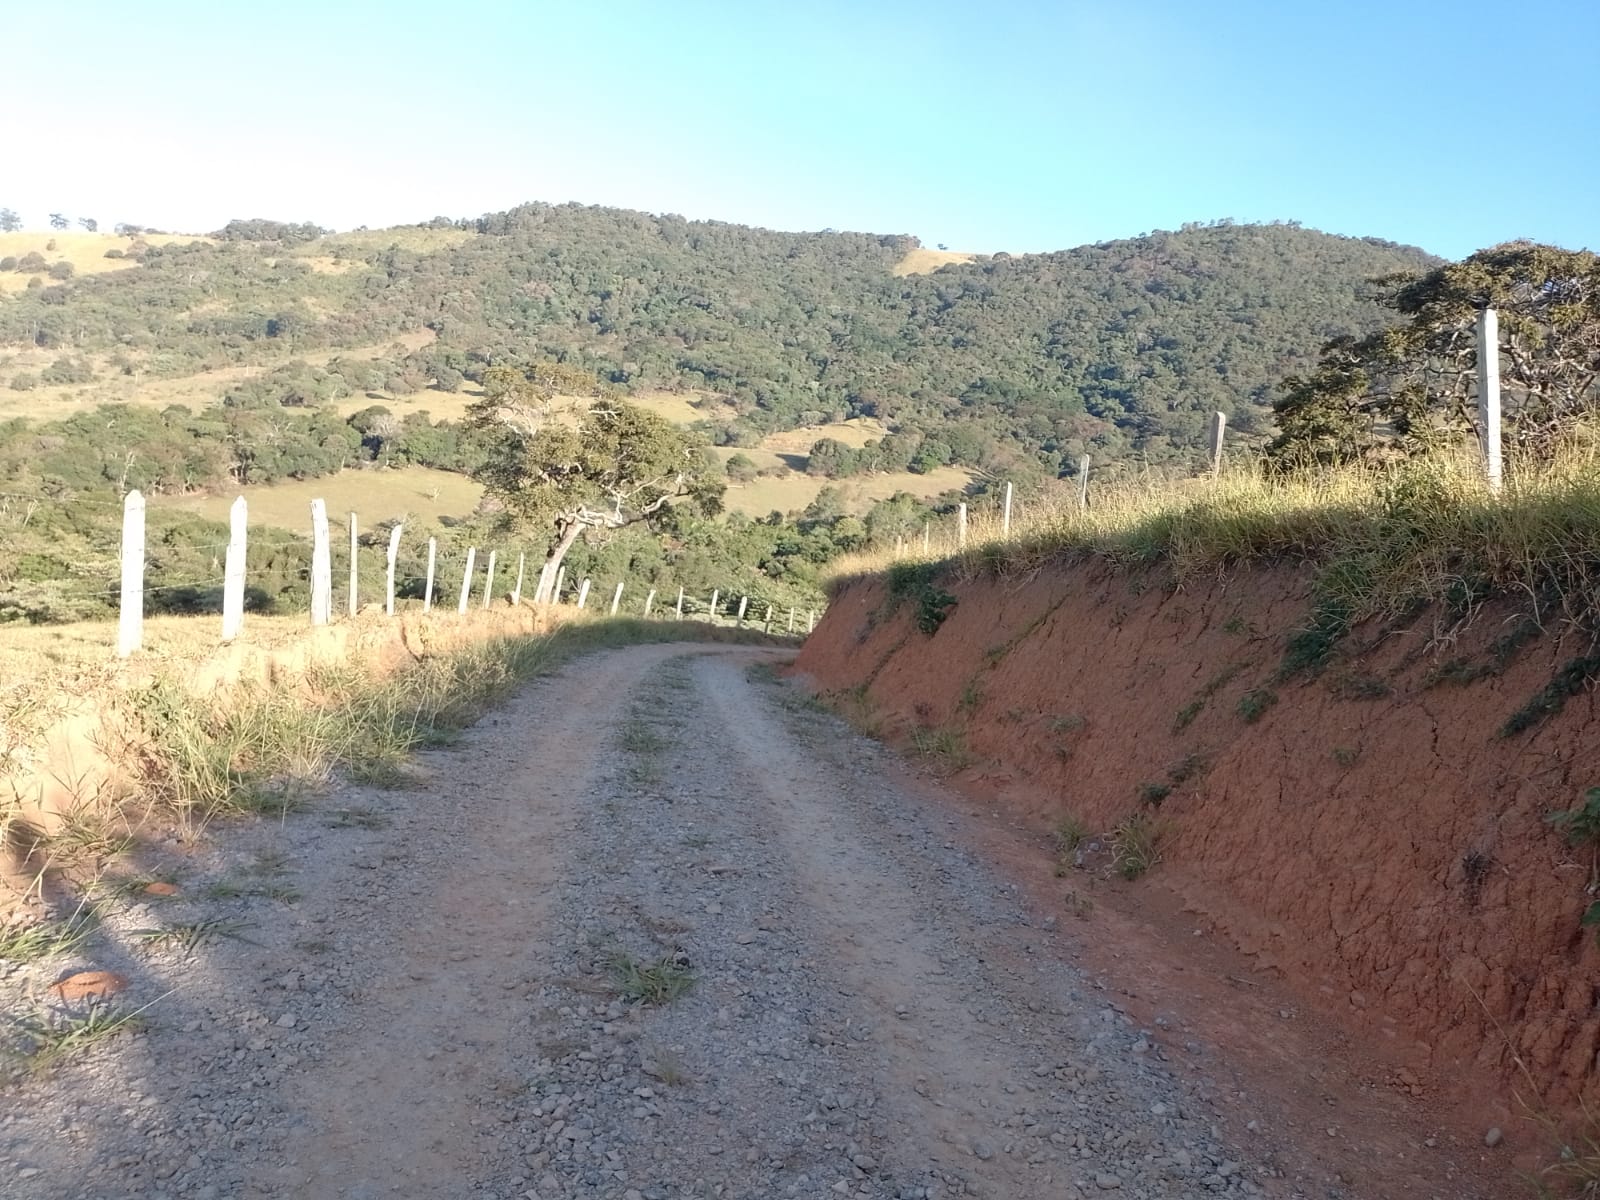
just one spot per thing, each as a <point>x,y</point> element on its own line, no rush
<point>1366,829</point>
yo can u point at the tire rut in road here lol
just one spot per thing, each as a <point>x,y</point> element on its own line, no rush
<point>403,1102</point>
<point>1005,1076</point>
<point>751,1083</point>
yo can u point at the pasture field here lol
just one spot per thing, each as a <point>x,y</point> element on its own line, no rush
<point>384,494</point>
<point>51,402</point>
<point>855,433</point>
<point>793,492</point>
<point>922,261</point>
<point>85,251</point>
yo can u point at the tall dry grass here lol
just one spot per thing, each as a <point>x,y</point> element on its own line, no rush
<point>1382,538</point>
<point>266,748</point>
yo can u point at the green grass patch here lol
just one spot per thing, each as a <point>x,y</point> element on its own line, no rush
<point>1154,793</point>
<point>657,982</point>
<point>1254,703</point>
<point>43,1039</point>
<point>1187,714</point>
<point>1573,676</point>
<point>41,939</point>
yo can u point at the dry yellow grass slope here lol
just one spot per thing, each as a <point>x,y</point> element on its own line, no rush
<point>921,261</point>
<point>85,251</point>
<point>404,493</point>
<point>795,491</point>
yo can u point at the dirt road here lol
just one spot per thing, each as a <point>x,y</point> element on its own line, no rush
<point>426,993</point>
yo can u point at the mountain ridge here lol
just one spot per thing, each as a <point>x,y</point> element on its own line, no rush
<point>1119,348</point>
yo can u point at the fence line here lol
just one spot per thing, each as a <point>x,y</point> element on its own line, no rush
<point>132,589</point>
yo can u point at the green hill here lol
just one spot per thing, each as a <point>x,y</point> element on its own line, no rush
<point>1120,348</point>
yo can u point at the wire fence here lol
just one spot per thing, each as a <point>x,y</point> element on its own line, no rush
<point>488,576</point>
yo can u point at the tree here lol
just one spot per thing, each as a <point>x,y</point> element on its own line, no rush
<point>9,221</point>
<point>57,221</point>
<point>565,454</point>
<point>741,468</point>
<point>1412,388</point>
<point>89,224</point>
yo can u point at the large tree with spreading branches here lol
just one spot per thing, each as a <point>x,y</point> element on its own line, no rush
<point>1412,388</point>
<point>567,455</point>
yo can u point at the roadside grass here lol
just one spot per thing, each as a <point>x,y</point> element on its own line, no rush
<point>45,1038</point>
<point>1135,845</point>
<point>41,939</point>
<point>946,749</point>
<point>262,750</point>
<point>190,935</point>
<point>1382,539</point>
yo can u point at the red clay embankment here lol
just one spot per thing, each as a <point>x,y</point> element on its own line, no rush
<point>1370,834</point>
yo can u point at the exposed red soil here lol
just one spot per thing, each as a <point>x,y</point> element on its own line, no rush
<point>1370,848</point>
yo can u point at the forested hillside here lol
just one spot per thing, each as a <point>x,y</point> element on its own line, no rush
<point>1120,348</point>
<point>265,353</point>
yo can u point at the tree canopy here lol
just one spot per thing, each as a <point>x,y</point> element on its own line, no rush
<point>564,452</point>
<point>1408,388</point>
<point>1121,349</point>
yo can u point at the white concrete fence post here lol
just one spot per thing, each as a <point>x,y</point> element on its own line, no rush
<point>488,579</point>
<point>769,619</point>
<point>1083,483</point>
<point>516,592</point>
<point>927,536</point>
<point>961,526</point>
<point>1005,517</point>
<point>680,604</point>
<point>561,579</point>
<point>616,600</point>
<point>321,566</point>
<point>388,569</point>
<point>744,602</point>
<point>233,571</point>
<point>583,593</point>
<point>791,618</point>
<point>130,608</point>
<point>1489,396</point>
<point>713,606</point>
<point>427,590</point>
<point>466,580</point>
<point>1219,431</point>
<point>649,602</point>
<point>353,561</point>
<point>811,620</point>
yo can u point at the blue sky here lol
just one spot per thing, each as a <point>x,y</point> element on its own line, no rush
<point>985,126</point>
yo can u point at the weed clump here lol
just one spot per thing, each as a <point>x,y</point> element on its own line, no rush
<point>1254,703</point>
<point>658,982</point>
<point>1135,846</point>
<point>914,582</point>
<point>1572,677</point>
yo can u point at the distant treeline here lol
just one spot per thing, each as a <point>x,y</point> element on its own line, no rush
<point>1122,348</point>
